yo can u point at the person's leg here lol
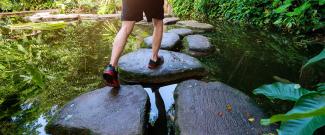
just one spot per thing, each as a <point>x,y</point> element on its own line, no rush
<point>120,41</point>
<point>157,37</point>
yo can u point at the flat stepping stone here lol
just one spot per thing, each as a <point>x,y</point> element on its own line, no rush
<point>181,31</point>
<point>170,20</point>
<point>216,109</point>
<point>177,66</point>
<point>197,45</point>
<point>169,41</point>
<point>104,111</point>
<point>196,25</point>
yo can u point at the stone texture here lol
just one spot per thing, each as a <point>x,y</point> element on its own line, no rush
<point>197,45</point>
<point>169,41</point>
<point>196,25</point>
<point>170,20</point>
<point>216,109</point>
<point>45,17</point>
<point>177,66</point>
<point>105,111</point>
<point>182,32</point>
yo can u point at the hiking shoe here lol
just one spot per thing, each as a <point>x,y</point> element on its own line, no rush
<point>111,76</point>
<point>154,64</point>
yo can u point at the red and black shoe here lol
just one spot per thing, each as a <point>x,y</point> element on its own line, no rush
<point>155,64</point>
<point>111,76</point>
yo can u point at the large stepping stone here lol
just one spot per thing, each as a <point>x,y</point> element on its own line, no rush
<point>170,20</point>
<point>216,109</point>
<point>196,25</point>
<point>104,111</point>
<point>177,66</point>
<point>169,41</point>
<point>46,17</point>
<point>182,32</point>
<point>197,45</point>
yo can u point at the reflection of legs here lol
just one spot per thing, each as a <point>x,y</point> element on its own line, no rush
<point>160,127</point>
<point>157,36</point>
<point>120,41</point>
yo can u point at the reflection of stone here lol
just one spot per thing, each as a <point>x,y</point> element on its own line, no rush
<point>203,109</point>
<point>197,45</point>
<point>104,111</point>
<point>177,66</point>
<point>169,41</point>
<point>160,125</point>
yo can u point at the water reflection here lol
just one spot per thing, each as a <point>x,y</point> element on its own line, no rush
<point>161,99</point>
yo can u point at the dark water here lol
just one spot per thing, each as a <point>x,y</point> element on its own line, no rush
<point>246,58</point>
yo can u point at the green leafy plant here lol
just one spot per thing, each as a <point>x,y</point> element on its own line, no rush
<point>308,113</point>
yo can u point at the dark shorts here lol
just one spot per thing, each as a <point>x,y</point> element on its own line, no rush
<point>132,10</point>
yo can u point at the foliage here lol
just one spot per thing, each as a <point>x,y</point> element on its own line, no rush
<point>315,59</point>
<point>307,115</point>
<point>19,5</point>
<point>295,16</point>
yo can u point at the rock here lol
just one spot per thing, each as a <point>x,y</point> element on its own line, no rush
<point>216,109</point>
<point>197,45</point>
<point>105,111</point>
<point>170,20</point>
<point>45,17</point>
<point>177,66</point>
<point>196,25</point>
<point>169,41</point>
<point>182,32</point>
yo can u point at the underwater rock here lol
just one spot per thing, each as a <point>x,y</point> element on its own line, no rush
<point>104,111</point>
<point>216,109</point>
<point>169,41</point>
<point>178,66</point>
<point>197,45</point>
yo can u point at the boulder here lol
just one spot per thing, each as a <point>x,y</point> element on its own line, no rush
<point>105,111</point>
<point>170,20</point>
<point>216,109</point>
<point>196,25</point>
<point>178,66</point>
<point>182,32</point>
<point>169,41</point>
<point>197,45</point>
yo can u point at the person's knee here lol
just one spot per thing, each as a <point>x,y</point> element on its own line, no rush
<point>157,23</point>
<point>127,28</point>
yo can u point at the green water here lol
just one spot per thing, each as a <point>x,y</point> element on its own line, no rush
<point>72,60</point>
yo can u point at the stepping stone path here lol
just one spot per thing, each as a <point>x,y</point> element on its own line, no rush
<point>182,32</point>
<point>45,17</point>
<point>177,66</point>
<point>216,109</point>
<point>197,45</point>
<point>169,41</point>
<point>196,25</point>
<point>170,20</point>
<point>104,111</point>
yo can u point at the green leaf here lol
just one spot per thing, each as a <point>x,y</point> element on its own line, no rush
<point>301,9</point>
<point>321,2</point>
<point>278,21</point>
<point>284,7</point>
<point>22,49</point>
<point>315,59</point>
<point>37,76</point>
<point>311,104</point>
<point>282,91</point>
<point>321,87</point>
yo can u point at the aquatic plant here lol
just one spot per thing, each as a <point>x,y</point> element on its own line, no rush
<point>308,113</point>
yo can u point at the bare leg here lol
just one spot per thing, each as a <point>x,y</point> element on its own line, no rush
<point>157,37</point>
<point>120,41</point>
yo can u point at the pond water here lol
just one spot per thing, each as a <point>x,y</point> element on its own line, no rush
<point>74,57</point>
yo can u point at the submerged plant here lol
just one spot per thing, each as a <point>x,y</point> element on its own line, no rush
<point>308,113</point>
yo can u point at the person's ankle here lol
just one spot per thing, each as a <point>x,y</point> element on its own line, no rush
<point>154,58</point>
